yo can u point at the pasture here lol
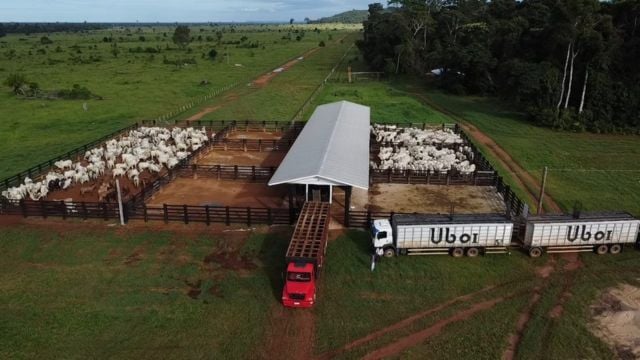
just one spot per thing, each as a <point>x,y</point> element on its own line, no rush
<point>88,289</point>
<point>138,83</point>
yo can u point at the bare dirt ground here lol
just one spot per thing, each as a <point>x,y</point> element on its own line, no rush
<point>521,176</point>
<point>249,158</point>
<point>264,79</point>
<point>220,193</point>
<point>255,135</point>
<point>429,199</point>
<point>290,332</point>
<point>617,320</point>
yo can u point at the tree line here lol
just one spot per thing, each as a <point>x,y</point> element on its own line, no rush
<point>569,64</point>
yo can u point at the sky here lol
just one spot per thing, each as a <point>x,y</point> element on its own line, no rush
<point>172,10</point>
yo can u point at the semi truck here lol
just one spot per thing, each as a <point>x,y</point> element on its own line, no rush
<point>457,235</point>
<point>599,232</point>
<point>305,255</point>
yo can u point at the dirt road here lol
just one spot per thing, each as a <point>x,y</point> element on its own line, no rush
<point>521,176</point>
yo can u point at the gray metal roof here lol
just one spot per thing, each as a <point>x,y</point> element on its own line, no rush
<point>332,149</point>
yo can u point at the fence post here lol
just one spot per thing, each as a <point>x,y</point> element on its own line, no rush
<point>44,209</point>
<point>23,205</point>
<point>448,176</point>
<point>269,217</point>
<point>186,214</point>
<point>166,214</point>
<point>227,218</point>
<point>207,215</point>
<point>84,211</point>
<point>249,216</point>
<point>409,177</point>
<point>144,212</point>
<point>105,213</point>
<point>368,217</point>
<point>253,173</point>
<point>235,172</point>
<point>64,210</point>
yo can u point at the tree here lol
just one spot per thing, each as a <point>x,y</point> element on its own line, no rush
<point>307,20</point>
<point>291,21</point>
<point>45,40</point>
<point>2,31</point>
<point>17,82</point>
<point>212,54</point>
<point>182,36</point>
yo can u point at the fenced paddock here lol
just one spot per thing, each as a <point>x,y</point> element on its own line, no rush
<point>235,192</point>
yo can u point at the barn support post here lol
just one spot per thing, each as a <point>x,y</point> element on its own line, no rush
<point>165,213</point>
<point>253,173</point>
<point>291,210</point>
<point>347,205</point>
<point>330,194</point>
<point>306,192</point>
<point>227,217</point>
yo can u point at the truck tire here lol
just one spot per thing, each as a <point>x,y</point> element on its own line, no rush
<point>457,252</point>
<point>473,252</point>
<point>602,249</point>
<point>389,252</point>
<point>615,249</point>
<point>535,252</point>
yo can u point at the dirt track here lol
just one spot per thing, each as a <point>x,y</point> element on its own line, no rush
<point>521,176</point>
<point>292,332</point>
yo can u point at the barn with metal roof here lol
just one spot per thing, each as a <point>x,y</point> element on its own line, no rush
<point>331,150</point>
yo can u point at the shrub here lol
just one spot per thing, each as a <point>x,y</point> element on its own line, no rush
<point>322,44</point>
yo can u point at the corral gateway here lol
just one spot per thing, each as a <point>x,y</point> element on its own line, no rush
<point>331,150</point>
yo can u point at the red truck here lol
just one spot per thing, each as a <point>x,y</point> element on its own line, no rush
<point>305,255</point>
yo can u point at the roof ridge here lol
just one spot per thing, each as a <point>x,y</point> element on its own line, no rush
<point>333,131</point>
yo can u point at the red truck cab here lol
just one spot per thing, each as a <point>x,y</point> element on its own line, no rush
<point>305,255</point>
<point>300,285</point>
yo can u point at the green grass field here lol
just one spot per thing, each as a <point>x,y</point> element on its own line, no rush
<point>101,293</point>
<point>134,86</point>
<point>599,171</point>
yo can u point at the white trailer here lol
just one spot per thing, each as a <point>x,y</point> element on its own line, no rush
<point>442,234</point>
<point>599,232</point>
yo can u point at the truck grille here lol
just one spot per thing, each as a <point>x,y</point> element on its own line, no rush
<point>296,296</point>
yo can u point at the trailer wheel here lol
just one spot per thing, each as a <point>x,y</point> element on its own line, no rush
<point>535,252</point>
<point>457,252</point>
<point>615,249</point>
<point>389,252</point>
<point>472,252</point>
<point>602,249</point>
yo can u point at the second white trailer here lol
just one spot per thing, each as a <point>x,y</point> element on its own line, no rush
<point>601,232</point>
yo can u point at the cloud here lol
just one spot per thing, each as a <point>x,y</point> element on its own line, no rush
<point>173,10</point>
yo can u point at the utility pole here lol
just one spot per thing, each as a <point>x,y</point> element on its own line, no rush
<point>544,182</point>
<point>120,202</point>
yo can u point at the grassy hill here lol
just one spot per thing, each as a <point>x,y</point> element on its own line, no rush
<point>347,17</point>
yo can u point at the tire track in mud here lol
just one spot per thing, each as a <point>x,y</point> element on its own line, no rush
<point>568,270</point>
<point>408,321</point>
<point>397,347</point>
<point>290,331</point>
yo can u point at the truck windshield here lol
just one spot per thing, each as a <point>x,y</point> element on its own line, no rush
<point>299,276</point>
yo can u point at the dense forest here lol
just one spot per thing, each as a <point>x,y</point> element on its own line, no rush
<point>569,64</point>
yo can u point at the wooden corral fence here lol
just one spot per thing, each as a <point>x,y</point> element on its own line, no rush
<point>227,172</point>
<point>45,166</point>
<point>45,209</point>
<point>214,214</point>
<point>136,211</point>
<point>477,178</point>
<point>514,205</point>
<point>362,219</point>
